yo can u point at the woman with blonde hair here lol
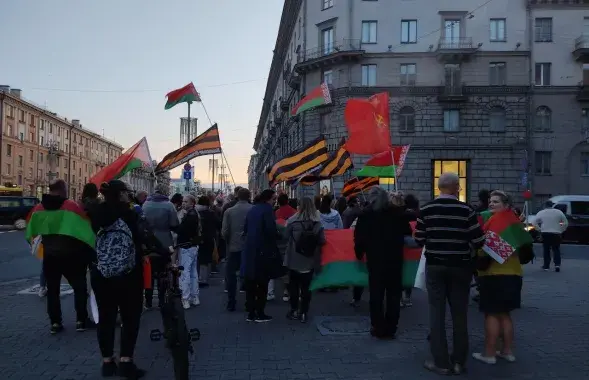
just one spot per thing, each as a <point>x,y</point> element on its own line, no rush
<point>305,237</point>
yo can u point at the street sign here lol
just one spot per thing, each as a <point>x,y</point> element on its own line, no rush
<point>187,167</point>
<point>187,174</point>
<point>525,179</point>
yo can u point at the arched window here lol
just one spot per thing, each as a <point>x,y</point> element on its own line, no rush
<point>497,119</point>
<point>543,118</point>
<point>406,119</point>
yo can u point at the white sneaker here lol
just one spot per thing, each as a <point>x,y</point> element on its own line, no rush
<point>485,359</point>
<point>195,301</point>
<point>186,304</point>
<point>270,297</point>
<point>42,291</point>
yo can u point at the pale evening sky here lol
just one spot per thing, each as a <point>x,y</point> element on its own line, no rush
<point>110,64</point>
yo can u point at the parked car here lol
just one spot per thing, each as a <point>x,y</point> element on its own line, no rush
<point>576,209</point>
<point>14,210</point>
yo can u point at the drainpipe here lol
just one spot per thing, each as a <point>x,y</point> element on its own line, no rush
<point>69,163</point>
<point>530,117</point>
<point>2,96</point>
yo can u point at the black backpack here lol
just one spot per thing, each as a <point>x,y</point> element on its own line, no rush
<point>308,240</point>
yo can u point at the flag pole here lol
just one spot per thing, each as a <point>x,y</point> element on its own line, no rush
<point>394,170</point>
<point>222,152</point>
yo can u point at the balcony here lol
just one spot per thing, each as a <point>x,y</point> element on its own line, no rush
<point>457,49</point>
<point>581,49</point>
<point>294,80</point>
<point>283,104</point>
<point>342,51</point>
<point>278,118</point>
<point>452,94</point>
<point>583,94</point>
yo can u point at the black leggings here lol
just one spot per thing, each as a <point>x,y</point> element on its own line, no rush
<point>299,286</point>
<point>124,294</point>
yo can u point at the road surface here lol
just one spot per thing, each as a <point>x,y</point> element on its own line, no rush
<point>552,341</point>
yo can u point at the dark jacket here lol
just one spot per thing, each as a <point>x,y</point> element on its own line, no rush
<point>380,235</point>
<point>210,225</point>
<point>188,231</point>
<point>62,245</point>
<point>260,240</point>
<point>105,214</point>
<point>349,215</point>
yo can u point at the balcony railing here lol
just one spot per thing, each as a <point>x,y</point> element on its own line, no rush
<point>455,43</point>
<point>582,42</point>
<point>583,93</point>
<point>452,93</point>
<point>345,45</point>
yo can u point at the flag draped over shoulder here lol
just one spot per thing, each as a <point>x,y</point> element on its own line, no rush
<point>339,265</point>
<point>355,186</point>
<point>337,164</point>
<point>69,220</point>
<point>411,257</point>
<point>320,96</point>
<point>186,94</point>
<point>299,162</point>
<point>367,121</point>
<point>206,143</point>
<point>504,234</point>
<point>385,164</point>
<point>135,157</point>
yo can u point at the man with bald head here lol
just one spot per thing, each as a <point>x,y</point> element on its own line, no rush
<point>450,232</point>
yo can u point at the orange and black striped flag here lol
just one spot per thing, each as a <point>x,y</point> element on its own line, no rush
<point>299,162</point>
<point>337,164</point>
<point>355,186</point>
<point>206,143</point>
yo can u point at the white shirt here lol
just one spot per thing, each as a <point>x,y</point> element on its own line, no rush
<point>551,220</point>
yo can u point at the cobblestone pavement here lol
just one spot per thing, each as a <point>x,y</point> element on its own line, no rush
<point>552,339</point>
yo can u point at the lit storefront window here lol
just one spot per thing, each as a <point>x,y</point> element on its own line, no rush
<point>458,167</point>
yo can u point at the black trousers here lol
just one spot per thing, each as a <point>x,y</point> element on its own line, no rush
<point>299,287</point>
<point>551,242</point>
<point>256,291</point>
<point>385,297</point>
<point>231,269</point>
<point>124,294</point>
<point>357,293</point>
<point>157,266</point>
<point>73,268</point>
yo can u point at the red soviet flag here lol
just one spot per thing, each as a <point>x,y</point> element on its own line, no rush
<point>367,121</point>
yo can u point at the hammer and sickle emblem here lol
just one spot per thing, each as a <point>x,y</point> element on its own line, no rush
<point>379,121</point>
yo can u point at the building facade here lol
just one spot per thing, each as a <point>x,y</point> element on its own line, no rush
<point>463,84</point>
<point>560,53</point>
<point>252,175</point>
<point>37,145</point>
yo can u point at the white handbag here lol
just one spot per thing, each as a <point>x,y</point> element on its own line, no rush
<point>420,275</point>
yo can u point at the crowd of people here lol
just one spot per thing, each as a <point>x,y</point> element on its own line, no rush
<point>267,237</point>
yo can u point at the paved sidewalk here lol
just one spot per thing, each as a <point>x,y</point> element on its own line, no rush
<point>552,339</point>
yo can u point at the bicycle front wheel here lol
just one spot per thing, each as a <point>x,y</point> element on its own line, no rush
<point>180,344</point>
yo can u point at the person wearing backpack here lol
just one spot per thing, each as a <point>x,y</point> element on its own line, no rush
<point>305,237</point>
<point>117,275</point>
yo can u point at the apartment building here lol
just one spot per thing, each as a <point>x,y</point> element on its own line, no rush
<point>457,73</point>
<point>37,145</point>
<point>560,54</point>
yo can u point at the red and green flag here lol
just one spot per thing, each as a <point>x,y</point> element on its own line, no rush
<point>339,265</point>
<point>137,156</point>
<point>411,257</point>
<point>69,220</point>
<point>387,164</point>
<point>504,234</point>
<point>186,94</point>
<point>320,96</point>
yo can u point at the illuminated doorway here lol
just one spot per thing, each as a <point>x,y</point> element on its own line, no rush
<point>447,166</point>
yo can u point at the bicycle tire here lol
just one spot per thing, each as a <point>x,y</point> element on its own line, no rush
<point>181,337</point>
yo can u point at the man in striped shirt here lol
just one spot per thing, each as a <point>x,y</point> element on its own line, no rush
<point>450,231</point>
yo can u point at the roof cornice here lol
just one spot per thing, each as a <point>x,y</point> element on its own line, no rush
<point>288,20</point>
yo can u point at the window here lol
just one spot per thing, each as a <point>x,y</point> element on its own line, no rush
<point>40,157</point>
<point>327,4</point>
<point>543,161</point>
<point>32,117</point>
<point>497,30</point>
<point>21,136</point>
<point>8,150</point>
<point>585,120</point>
<point>408,74</point>
<point>543,74</point>
<point>585,163</point>
<point>9,130</point>
<point>20,161</point>
<point>368,75</point>
<point>452,76</point>
<point>497,74</point>
<point>39,173</point>
<point>543,29</point>
<point>8,169</point>
<point>406,119</point>
<point>31,155</point>
<point>50,128</point>
<point>19,180</point>
<point>22,116</point>
<point>42,140</point>
<point>369,32</point>
<point>457,167</point>
<point>30,172</point>
<point>74,165</point>
<point>451,120</point>
<point>452,34</point>
<point>408,31</point>
<point>327,40</point>
<point>328,77</point>
<point>543,118</point>
<point>580,208</point>
<point>497,119</point>
<point>65,164</point>
<point>59,131</point>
